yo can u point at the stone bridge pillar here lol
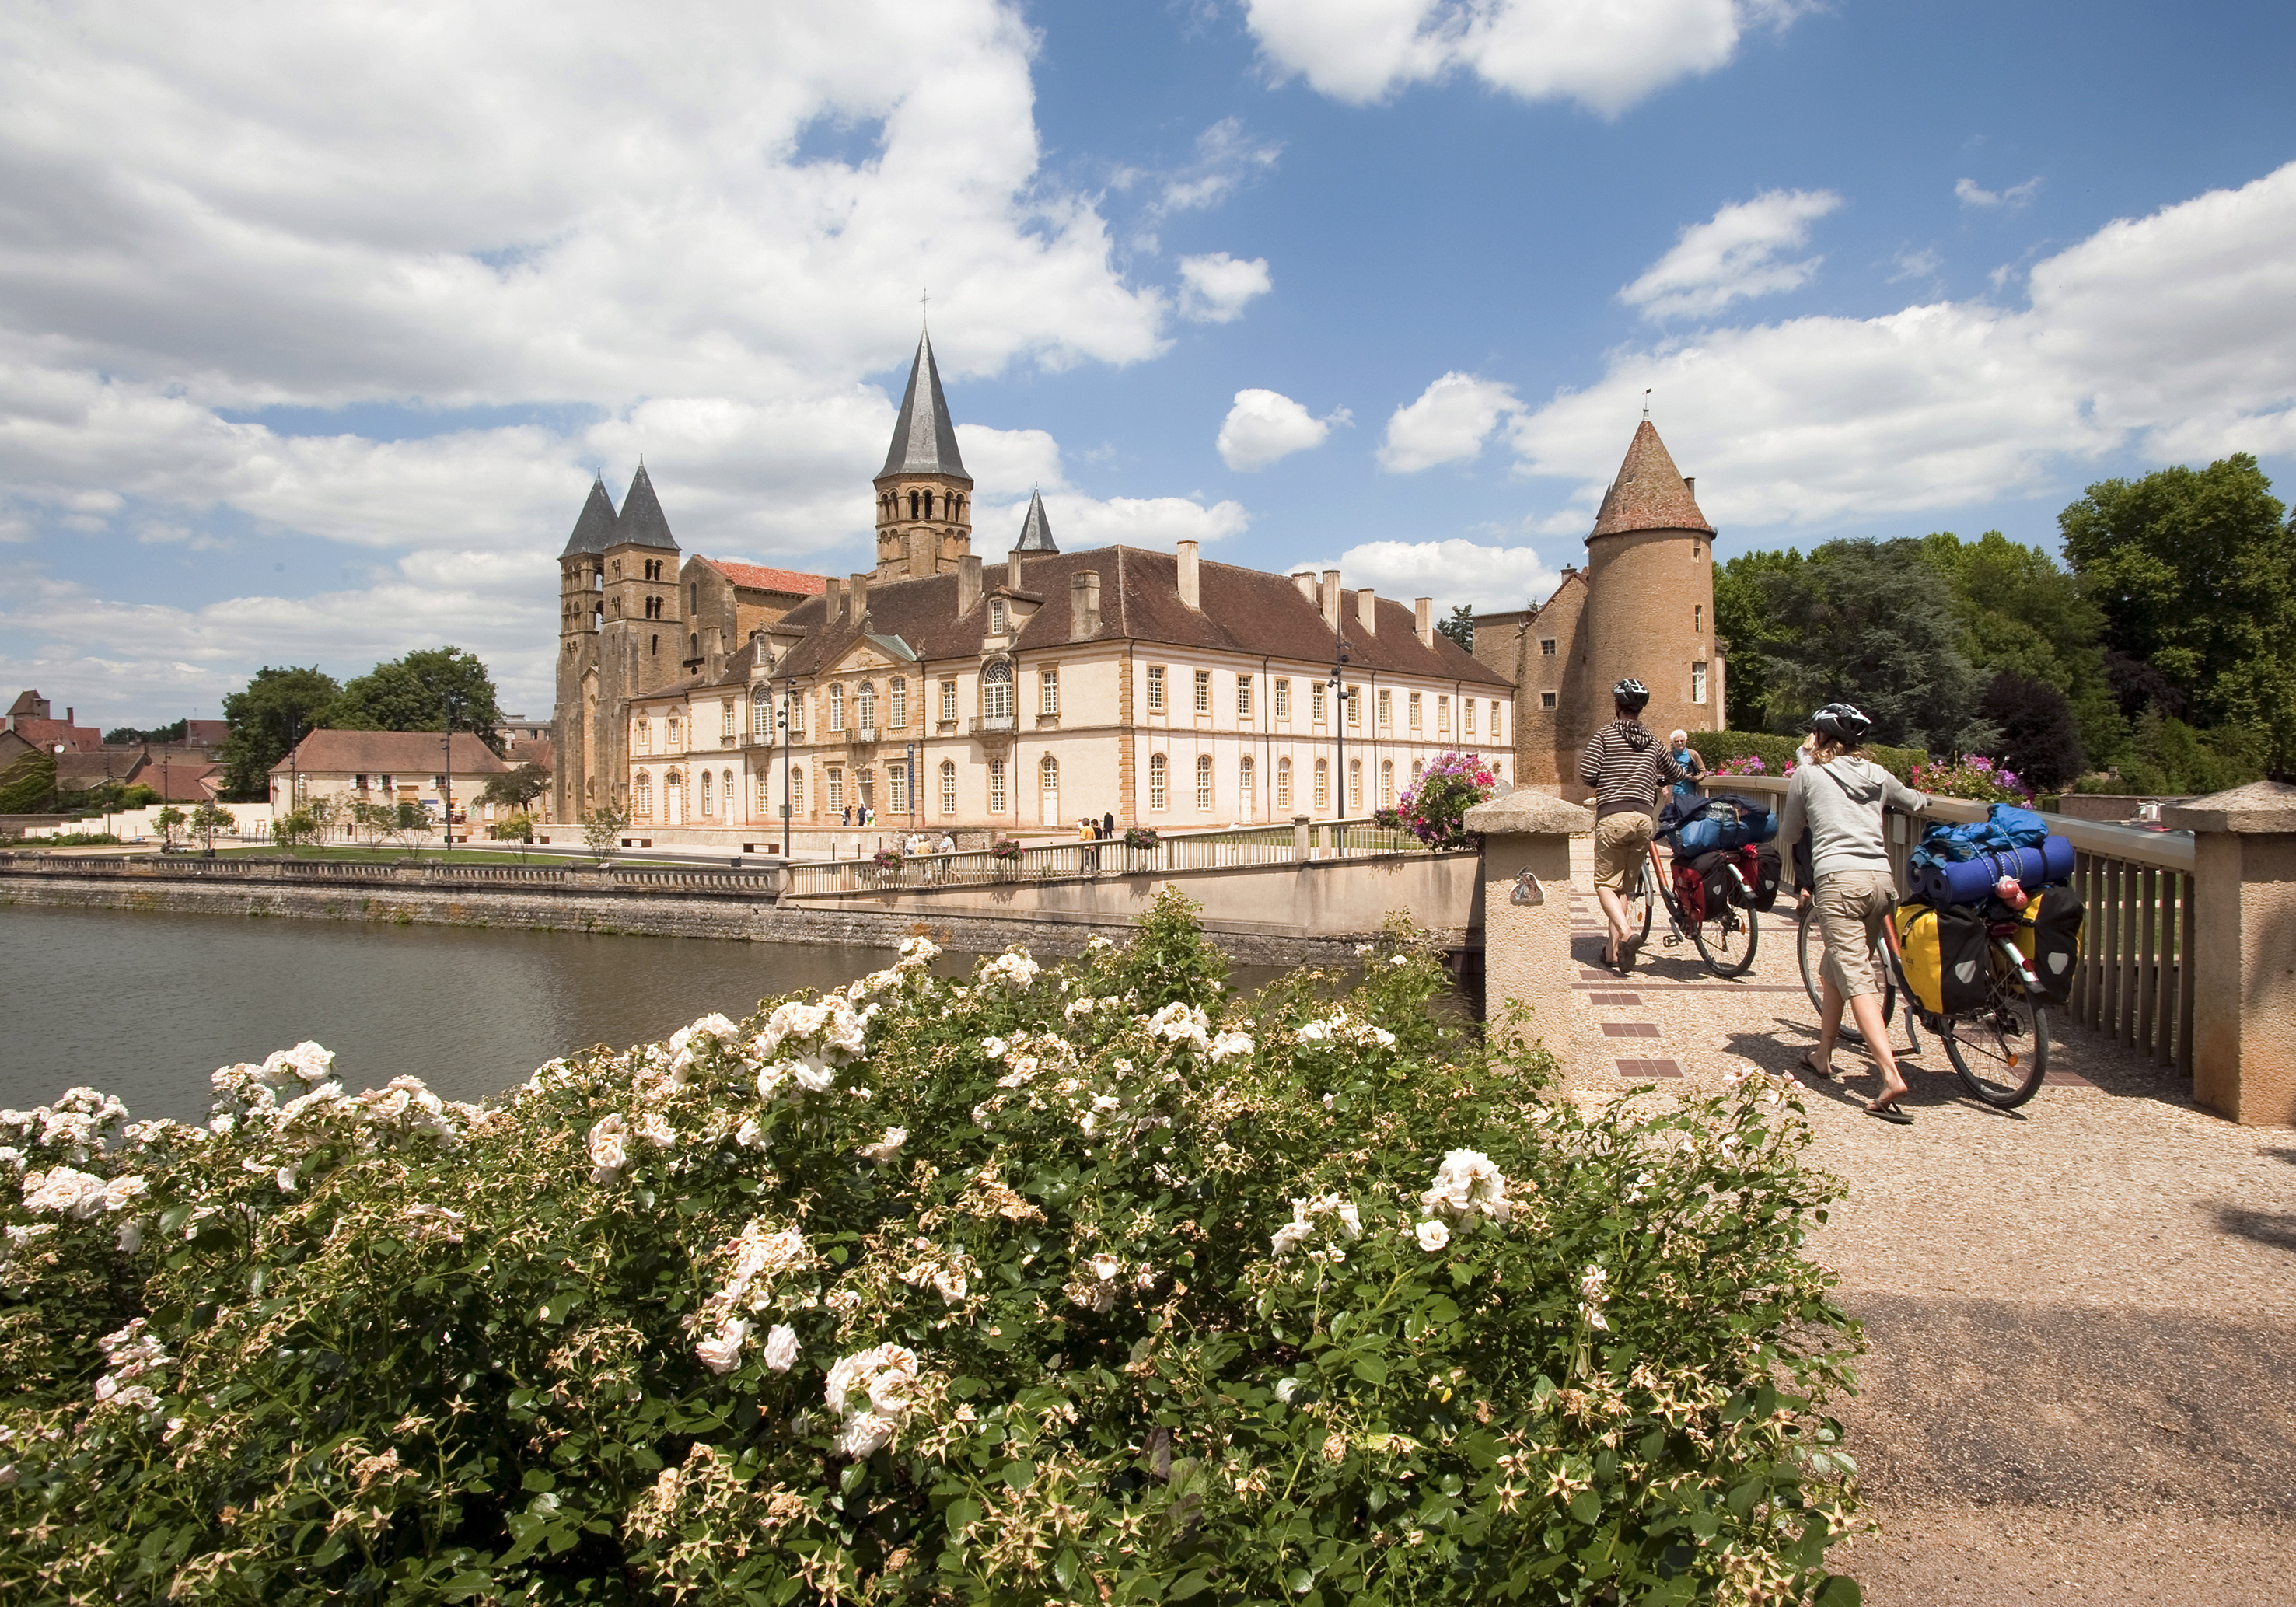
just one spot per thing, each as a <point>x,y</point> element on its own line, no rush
<point>1525,902</point>
<point>2244,950</point>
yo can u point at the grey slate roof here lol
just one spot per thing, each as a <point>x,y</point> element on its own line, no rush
<point>642,523</point>
<point>594,531</point>
<point>1036,529</point>
<point>924,437</point>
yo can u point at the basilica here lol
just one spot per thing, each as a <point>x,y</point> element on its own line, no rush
<point>710,702</point>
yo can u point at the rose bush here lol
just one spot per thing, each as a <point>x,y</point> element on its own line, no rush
<point>1096,1283</point>
<point>1434,806</point>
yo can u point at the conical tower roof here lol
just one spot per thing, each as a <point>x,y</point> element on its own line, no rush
<point>924,437</point>
<point>1650,493</point>
<point>594,531</point>
<point>642,523</point>
<point>1036,529</point>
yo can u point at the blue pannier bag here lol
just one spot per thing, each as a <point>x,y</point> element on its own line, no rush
<point>2010,841</point>
<point>1729,822</point>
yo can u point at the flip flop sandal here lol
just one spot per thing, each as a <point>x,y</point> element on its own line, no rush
<point>1891,1114</point>
<point>1809,1065</point>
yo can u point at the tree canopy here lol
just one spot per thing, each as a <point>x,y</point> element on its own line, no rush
<point>274,712</point>
<point>412,694</point>
<point>1460,627</point>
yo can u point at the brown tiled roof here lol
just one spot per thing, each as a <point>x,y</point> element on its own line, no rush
<point>392,752</point>
<point>75,770</point>
<point>26,702</point>
<point>47,734</point>
<point>1650,493</point>
<point>208,733</point>
<point>534,751</point>
<point>758,578</point>
<point>1244,611</point>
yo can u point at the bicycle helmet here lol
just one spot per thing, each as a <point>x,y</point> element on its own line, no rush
<point>1843,722</point>
<point>1630,693</point>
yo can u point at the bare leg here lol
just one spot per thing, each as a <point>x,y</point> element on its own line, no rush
<point>1829,1025</point>
<point>1866,1009</point>
<point>1614,911</point>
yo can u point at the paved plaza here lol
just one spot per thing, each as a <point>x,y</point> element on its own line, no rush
<point>2082,1315</point>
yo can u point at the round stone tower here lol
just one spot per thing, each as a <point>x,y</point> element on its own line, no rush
<point>1650,598</point>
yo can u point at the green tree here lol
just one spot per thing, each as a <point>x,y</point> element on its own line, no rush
<point>412,694</point>
<point>210,821</point>
<point>517,787</point>
<point>601,831</point>
<point>1460,627</point>
<point>296,826</point>
<point>1873,624</point>
<point>28,785</point>
<point>2195,572</point>
<point>123,735</point>
<point>2022,612</point>
<point>277,709</point>
<point>169,820</point>
<point>1743,618</point>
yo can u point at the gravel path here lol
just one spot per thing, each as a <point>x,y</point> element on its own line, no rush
<point>2083,1315</point>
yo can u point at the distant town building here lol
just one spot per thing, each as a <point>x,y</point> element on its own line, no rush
<point>29,726</point>
<point>339,768</point>
<point>1643,607</point>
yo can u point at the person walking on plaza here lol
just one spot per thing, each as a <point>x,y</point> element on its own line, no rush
<point>1838,794</point>
<point>1678,742</point>
<point>1625,765</point>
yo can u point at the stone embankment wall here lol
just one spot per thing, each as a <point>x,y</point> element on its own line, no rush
<point>684,914</point>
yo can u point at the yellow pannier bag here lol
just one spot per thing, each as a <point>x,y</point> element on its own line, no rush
<point>1945,957</point>
<point>2049,936</point>
<point>1918,942</point>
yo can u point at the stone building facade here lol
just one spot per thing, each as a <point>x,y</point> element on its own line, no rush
<point>1643,607</point>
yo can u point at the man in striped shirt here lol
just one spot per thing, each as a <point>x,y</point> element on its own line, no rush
<point>1626,765</point>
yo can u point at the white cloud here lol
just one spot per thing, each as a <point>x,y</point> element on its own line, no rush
<point>1604,56</point>
<point>1452,572</point>
<point>1214,288</point>
<point>1735,254</point>
<point>2173,334</point>
<point>1265,425</point>
<point>1922,263</point>
<point>1008,464</point>
<point>1153,521</point>
<point>1971,194</point>
<point>1450,421</point>
<point>1226,158</point>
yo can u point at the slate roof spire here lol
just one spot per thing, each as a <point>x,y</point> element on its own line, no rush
<point>1036,529</point>
<point>642,523</point>
<point>594,531</point>
<point>1650,493</point>
<point>924,437</point>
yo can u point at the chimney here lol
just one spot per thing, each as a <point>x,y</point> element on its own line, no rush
<point>70,715</point>
<point>1305,581</point>
<point>835,598</point>
<point>1191,592</point>
<point>1423,619</point>
<point>1367,610</point>
<point>856,597</point>
<point>1012,568</point>
<point>1084,605</point>
<point>1330,597</point>
<point>1690,484</point>
<point>968,583</point>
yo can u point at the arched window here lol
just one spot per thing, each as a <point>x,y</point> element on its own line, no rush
<point>1159,794</point>
<point>865,705</point>
<point>642,797</point>
<point>1387,782</point>
<point>673,799</point>
<point>1205,781</point>
<point>676,735</point>
<point>708,803</point>
<point>927,504</point>
<point>913,504</point>
<point>727,793</point>
<point>1355,785</point>
<point>761,714</point>
<point>897,716</point>
<point>797,790</point>
<point>1323,784</point>
<point>1245,788</point>
<point>837,707</point>
<point>692,644</point>
<point>996,690</point>
<point>692,597</point>
<point>1048,790</point>
<point>1284,785</point>
<point>948,789</point>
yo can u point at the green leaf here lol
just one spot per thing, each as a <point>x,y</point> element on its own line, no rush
<point>1189,1585</point>
<point>1587,1507</point>
<point>1840,1590</point>
<point>1302,1581</point>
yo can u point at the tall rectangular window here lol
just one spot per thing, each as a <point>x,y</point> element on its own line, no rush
<point>1442,714</point>
<point>1415,712</point>
<point>797,715</point>
<point>1698,682</point>
<point>836,709</point>
<point>948,701</point>
<point>1204,782</point>
<point>947,788</point>
<point>1386,710</point>
<point>1048,692</point>
<point>1496,734</point>
<point>834,788</point>
<point>1355,704</point>
<point>1203,691</point>
<point>1160,777</point>
<point>1323,784</point>
<point>1698,618</point>
<point>897,778</point>
<point>1284,699</point>
<point>725,732</point>
<point>997,615</point>
<point>1244,697</point>
<point>1155,689</point>
<point>996,786</point>
<point>797,791</point>
<point>1467,708</point>
<point>897,716</point>
<point>1316,700</point>
<point>645,736</point>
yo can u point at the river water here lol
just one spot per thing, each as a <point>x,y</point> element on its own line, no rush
<point>145,1005</point>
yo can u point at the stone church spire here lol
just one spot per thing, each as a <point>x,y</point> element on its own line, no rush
<point>925,497</point>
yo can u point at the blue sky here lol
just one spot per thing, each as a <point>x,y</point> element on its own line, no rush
<point>314,321</point>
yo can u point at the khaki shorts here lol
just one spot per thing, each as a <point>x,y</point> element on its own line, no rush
<point>1620,840</point>
<point>1851,906</point>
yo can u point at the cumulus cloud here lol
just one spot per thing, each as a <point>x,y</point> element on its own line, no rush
<point>1606,57</point>
<point>1450,421</point>
<point>1008,464</point>
<point>1970,193</point>
<point>2173,333</point>
<point>1226,158</point>
<point>1265,425</point>
<point>1214,288</point>
<point>1452,572</point>
<point>1737,253</point>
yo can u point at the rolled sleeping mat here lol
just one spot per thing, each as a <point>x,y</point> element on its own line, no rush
<point>1970,881</point>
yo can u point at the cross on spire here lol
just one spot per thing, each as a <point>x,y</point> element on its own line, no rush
<point>1646,395</point>
<point>924,307</point>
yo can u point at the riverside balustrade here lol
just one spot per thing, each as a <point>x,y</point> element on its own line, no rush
<point>758,884</point>
<point>2132,984</point>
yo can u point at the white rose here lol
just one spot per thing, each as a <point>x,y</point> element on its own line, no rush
<point>609,1152</point>
<point>721,1352</point>
<point>1433,1236</point>
<point>781,1348</point>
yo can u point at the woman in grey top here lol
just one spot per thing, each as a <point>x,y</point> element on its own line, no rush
<point>1839,796</point>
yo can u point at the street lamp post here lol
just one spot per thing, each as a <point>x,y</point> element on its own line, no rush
<point>1339,727</point>
<point>788,691</point>
<point>447,775</point>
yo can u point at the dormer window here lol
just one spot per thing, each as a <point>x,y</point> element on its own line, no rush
<point>997,615</point>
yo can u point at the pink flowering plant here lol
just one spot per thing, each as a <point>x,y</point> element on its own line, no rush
<point>1973,777</point>
<point>1435,804</point>
<point>1090,1283</point>
<point>1744,764</point>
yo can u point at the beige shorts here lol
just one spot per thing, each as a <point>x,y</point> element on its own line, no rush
<point>1851,906</point>
<point>1620,840</point>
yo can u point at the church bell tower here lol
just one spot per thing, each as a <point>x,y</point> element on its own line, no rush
<point>925,497</point>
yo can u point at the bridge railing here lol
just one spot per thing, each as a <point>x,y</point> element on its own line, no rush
<point>757,883</point>
<point>1234,847</point>
<point>2133,984</point>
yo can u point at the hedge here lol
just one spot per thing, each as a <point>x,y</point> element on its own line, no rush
<point>1096,1284</point>
<point>1777,752</point>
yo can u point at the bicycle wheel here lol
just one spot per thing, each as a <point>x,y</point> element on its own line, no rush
<point>2001,1051</point>
<point>1726,941</point>
<point>1809,949</point>
<point>1639,899</point>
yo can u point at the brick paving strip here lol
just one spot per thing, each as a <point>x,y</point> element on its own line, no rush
<point>2082,1315</point>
